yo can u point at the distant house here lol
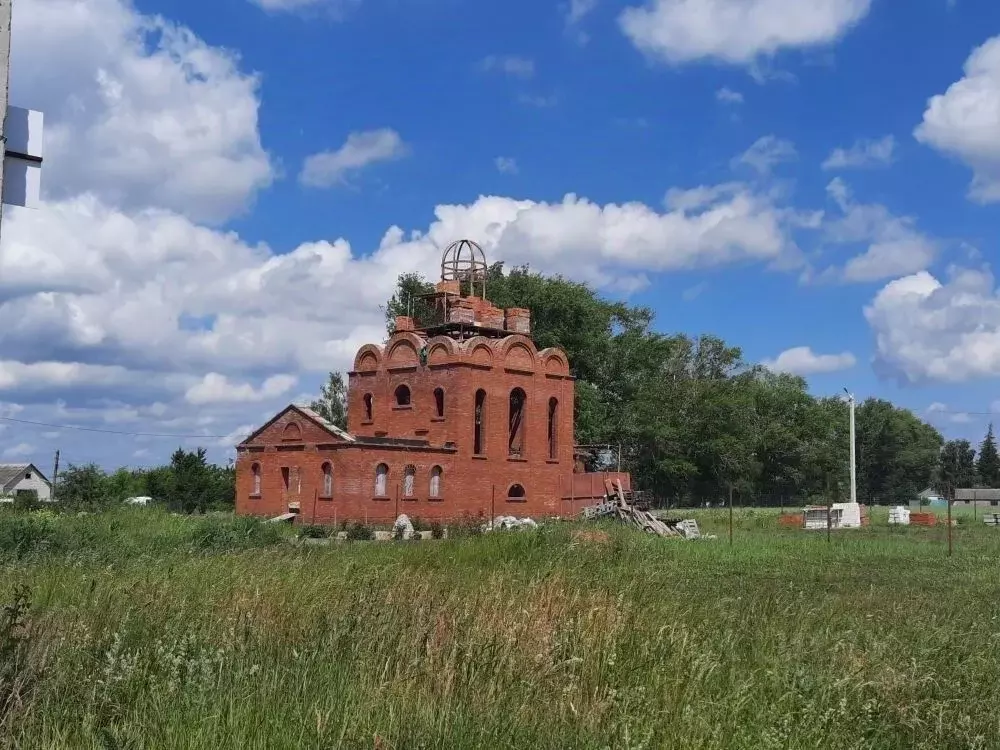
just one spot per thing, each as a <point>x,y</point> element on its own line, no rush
<point>981,497</point>
<point>16,479</point>
<point>931,496</point>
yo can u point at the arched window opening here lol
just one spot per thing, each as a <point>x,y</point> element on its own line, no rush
<point>436,482</point>
<point>409,475</point>
<point>479,438</point>
<point>515,441</point>
<point>553,428</point>
<point>439,402</point>
<point>381,480</point>
<point>256,479</point>
<point>369,411</point>
<point>402,396</point>
<point>327,479</point>
<point>516,492</point>
<point>292,432</point>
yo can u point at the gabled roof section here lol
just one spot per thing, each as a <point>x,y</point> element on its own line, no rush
<point>309,414</point>
<point>10,473</point>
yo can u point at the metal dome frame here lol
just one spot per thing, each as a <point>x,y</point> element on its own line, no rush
<point>465,261</point>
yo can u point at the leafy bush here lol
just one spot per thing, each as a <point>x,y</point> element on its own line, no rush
<point>358,532</point>
<point>314,531</point>
<point>437,530</point>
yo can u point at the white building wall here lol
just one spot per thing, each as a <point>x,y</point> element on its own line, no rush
<point>35,483</point>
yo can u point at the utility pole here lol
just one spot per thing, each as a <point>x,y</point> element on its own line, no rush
<point>55,477</point>
<point>854,476</point>
<point>5,15</point>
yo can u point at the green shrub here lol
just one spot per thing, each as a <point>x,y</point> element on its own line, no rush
<point>314,531</point>
<point>437,530</point>
<point>358,532</point>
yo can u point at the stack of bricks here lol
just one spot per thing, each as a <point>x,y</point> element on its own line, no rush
<point>489,315</point>
<point>462,311</point>
<point>452,286</point>
<point>404,323</point>
<point>518,320</point>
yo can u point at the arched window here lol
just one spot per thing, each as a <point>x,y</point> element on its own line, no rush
<point>327,479</point>
<point>553,428</point>
<point>436,482</point>
<point>439,402</point>
<point>369,410</point>
<point>516,492</point>
<point>292,432</point>
<point>409,475</point>
<point>381,480</point>
<point>479,435</point>
<point>515,441</point>
<point>402,396</point>
<point>256,479</point>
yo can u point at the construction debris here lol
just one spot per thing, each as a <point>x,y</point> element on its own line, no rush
<point>510,522</point>
<point>402,528</point>
<point>617,505</point>
<point>899,516</point>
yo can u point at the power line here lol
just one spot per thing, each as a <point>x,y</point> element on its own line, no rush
<point>109,432</point>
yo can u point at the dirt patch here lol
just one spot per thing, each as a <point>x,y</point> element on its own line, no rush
<point>590,537</point>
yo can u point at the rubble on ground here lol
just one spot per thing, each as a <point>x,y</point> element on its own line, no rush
<point>616,505</point>
<point>403,528</point>
<point>510,522</point>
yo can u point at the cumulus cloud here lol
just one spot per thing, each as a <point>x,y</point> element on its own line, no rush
<point>727,96</point>
<point>360,150</point>
<point>926,330</point>
<point>332,7</point>
<point>894,245</point>
<point>576,11</point>
<point>802,360</point>
<point>217,389</point>
<point>736,31</point>
<point>138,111</point>
<point>864,153</point>
<point>964,121</point>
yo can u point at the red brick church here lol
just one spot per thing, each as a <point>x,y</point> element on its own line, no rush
<point>464,418</point>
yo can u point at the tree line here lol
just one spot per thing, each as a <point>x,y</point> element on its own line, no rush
<point>188,484</point>
<point>962,468</point>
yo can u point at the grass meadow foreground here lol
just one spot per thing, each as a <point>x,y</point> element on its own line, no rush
<point>143,630</point>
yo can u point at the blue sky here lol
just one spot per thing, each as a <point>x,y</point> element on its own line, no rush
<point>817,181</point>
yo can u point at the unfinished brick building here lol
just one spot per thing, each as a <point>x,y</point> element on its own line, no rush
<point>462,418</point>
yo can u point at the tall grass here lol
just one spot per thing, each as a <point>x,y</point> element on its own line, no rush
<point>153,631</point>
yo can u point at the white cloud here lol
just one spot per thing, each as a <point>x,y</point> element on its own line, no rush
<point>864,153</point>
<point>766,153</point>
<point>360,150</point>
<point>19,451</point>
<point>964,121</point>
<point>506,165</point>
<point>512,65</point>
<point>576,11</point>
<point>736,31</point>
<point>218,389</point>
<point>939,412</point>
<point>333,8</point>
<point>894,245</point>
<point>801,360</point>
<point>928,330</point>
<point>138,111</point>
<point>727,96</point>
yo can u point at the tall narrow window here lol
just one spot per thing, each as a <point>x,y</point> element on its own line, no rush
<point>256,479</point>
<point>409,475</point>
<point>439,402</point>
<point>436,482</point>
<point>327,479</point>
<point>381,480</point>
<point>286,474</point>
<point>479,437</point>
<point>553,428</point>
<point>402,396</point>
<point>515,441</point>
<point>368,407</point>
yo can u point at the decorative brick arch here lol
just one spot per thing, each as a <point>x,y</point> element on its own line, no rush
<point>368,358</point>
<point>554,361</point>
<point>403,350</point>
<point>292,433</point>
<point>479,351</point>
<point>440,350</point>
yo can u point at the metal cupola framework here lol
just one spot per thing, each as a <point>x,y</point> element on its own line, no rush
<point>465,262</point>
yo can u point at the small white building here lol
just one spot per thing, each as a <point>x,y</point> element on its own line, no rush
<point>18,478</point>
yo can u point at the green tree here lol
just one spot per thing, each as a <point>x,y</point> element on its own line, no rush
<point>988,464</point>
<point>332,402</point>
<point>83,486</point>
<point>192,481</point>
<point>957,468</point>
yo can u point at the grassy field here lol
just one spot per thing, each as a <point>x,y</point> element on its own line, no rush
<point>144,630</point>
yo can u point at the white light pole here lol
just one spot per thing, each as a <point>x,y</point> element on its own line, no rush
<point>854,478</point>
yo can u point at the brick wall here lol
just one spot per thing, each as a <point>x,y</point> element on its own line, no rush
<point>471,485</point>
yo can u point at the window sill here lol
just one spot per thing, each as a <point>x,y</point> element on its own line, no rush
<point>552,460</point>
<point>435,499</point>
<point>367,422</point>
<point>255,496</point>
<point>382,498</point>
<point>479,456</point>
<point>517,499</point>
<point>408,407</point>
<point>328,498</point>
<point>517,459</point>
<point>410,499</point>
<point>437,419</point>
